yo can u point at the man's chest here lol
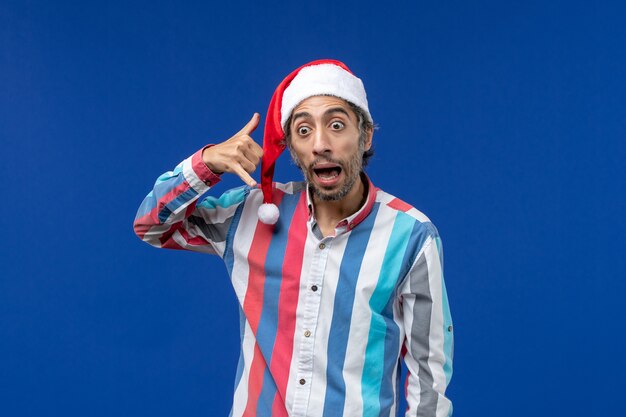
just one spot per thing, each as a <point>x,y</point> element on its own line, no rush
<point>334,274</point>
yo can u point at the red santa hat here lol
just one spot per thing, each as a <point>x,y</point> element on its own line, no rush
<point>321,77</point>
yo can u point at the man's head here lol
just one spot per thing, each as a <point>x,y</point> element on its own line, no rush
<point>330,140</point>
<point>316,92</point>
<point>365,127</point>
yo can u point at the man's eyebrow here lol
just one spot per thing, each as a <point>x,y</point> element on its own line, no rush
<point>299,115</point>
<point>304,114</point>
<point>336,110</point>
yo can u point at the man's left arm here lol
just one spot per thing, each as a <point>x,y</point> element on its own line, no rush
<point>429,338</point>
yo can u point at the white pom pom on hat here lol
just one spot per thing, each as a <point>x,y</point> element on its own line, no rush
<point>321,77</point>
<point>268,213</point>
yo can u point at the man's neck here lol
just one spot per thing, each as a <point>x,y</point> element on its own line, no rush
<point>329,213</point>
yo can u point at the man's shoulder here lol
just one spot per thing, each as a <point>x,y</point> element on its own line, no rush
<point>392,203</point>
<point>292,187</point>
<point>255,194</point>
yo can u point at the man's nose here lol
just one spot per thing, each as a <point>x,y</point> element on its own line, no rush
<point>321,142</point>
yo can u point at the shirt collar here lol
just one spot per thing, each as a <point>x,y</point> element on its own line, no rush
<point>353,220</point>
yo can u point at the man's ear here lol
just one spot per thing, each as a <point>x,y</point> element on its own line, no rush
<point>369,135</point>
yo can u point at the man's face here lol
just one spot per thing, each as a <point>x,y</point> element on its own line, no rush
<point>325,145</point>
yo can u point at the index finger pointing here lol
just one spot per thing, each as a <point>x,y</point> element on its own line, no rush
<point>251,125</point>
<point>238,169</point>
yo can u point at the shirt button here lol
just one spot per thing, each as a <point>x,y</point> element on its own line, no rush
<point>302,382</point>
<point>322,246</point>
<point>351,225</point>
<point>314,288</point>
<point>449,328</point>
<point>307,333</point>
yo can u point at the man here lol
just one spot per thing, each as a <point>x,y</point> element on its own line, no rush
<point>337,280</point>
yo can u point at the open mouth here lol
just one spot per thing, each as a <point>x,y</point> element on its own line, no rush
<point>327,171</point>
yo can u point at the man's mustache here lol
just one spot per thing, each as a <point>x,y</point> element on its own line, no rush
<point>325,160</point>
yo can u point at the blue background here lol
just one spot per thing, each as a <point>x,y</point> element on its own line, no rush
<point>503,121</point>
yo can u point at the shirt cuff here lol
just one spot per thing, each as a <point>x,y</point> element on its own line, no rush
<point>203,172</point>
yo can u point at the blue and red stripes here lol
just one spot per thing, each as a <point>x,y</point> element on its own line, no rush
<point>253,305</point>
<point>288,303</point>
<point>345,300</point>
<point>349,273</point>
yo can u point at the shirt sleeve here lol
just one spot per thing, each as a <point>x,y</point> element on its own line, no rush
<point>170,217</point>
<point>429,339</point>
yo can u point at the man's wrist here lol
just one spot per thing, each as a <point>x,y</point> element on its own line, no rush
<point>204,171</point>
<point>205,158</point>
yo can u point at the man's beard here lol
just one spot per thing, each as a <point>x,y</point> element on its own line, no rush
<point>350,168</point>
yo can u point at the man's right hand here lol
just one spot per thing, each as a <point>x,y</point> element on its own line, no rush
<point>240,154</point>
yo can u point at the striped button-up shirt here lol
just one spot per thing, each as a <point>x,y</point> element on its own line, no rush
<point>325,321</point>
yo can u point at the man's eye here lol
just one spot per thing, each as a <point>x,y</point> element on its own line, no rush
<point>337,125</point>
<point>303,130</point>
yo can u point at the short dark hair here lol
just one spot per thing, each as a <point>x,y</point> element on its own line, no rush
<point>364,125</point>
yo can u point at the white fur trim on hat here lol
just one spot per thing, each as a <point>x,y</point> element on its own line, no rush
<point>323,79</point>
